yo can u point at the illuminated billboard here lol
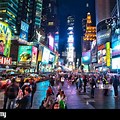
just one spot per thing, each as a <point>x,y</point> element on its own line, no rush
<point>116,48</point>
<point>116,63</point>
<point>101,58</point>
<point>94,51</point>
<point>34,54</point>
<point>70,39</point>
<point>108,53</point>
<point>25,54</point>
<point>45,56</point>
<point>24,31</point>
<point>51,58</point>
<point>5,39</point>
<point>86,57</point>
<point>51,42</point>
<point>103,37</point>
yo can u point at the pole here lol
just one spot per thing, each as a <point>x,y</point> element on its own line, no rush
<point>118,11</point>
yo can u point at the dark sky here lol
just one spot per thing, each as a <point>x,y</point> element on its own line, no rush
<point>78,9</point>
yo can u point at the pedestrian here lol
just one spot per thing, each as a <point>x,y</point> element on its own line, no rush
<point>93,86</point>
<point>12,92</point>
<point>25,102</point>
<point>115,85</point>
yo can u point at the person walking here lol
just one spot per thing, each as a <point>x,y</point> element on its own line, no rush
<point>115,85</point>
<point>12,92</point>
<point>93,86</point>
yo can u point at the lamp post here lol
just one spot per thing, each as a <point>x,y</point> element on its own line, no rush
<point>118,10</point>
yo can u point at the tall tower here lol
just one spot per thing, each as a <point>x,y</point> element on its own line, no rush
<point>89,33</point>
<point>50,21</point>
<point>70,42</point>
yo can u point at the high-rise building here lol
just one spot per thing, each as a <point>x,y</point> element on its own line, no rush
<point>104,9</point>
<point>49,19</point>
<point>30,12</point>
<point>70,42</point>
<point>89,33</point>
<point>8,13</point>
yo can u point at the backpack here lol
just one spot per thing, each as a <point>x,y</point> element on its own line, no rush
<point>12,92</point>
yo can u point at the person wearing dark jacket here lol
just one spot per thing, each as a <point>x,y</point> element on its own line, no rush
<point>25,102</point>
<point>11,93</point>
<point>93,86</point>
<point>115,86</point>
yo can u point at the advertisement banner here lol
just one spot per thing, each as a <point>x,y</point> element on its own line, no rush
<point>25,54</point>
<point>34,54</point>
<point>5,61</point>
<point>86,57</point>
<point>51,58</point>
<point>51,42</point>
<point>94,51</point>
<point>24,31</point>
<point>103,37</point>
<point>115,45</point>
<point>40,56</point>
<point>5,39</point>
<point>115,63</point>
<point>108,53</point>
<point>45,56</point>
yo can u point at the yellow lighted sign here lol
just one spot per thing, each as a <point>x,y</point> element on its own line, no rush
<point>5,39</point>
<point>108,53</point>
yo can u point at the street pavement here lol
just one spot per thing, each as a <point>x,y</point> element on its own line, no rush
<point>74,99</point>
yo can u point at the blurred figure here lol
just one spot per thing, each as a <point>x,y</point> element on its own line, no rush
<point>25,102</point>
<point>62,80</point>
<point>12,92</point>
<point>106,86</point>
<point>93,86</point>
<point>56,105</point>
<point>115,85</point>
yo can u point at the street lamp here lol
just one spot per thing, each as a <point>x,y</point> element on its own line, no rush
<point>118,11</point>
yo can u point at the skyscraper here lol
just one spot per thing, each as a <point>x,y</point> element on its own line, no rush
<point>70,42</point>
<point>49,18</point>
<point>104,9</point>
<point>30,12</point>
<point>8,13</point>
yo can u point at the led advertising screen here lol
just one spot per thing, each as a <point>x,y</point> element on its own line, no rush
<point>45,56</point>
<point>116,48</point>
<point>41,93</point>
<point>5,39</point>
<point>34,54</point>
<point>103,37</point>
<point>86,57</point>
<point>25,54</point>
<point>94,52</point>
<point>24,31</point>
<point>101,58</point>
<point>51,58</point>
<point>116,63</point>
<point>51,42</point>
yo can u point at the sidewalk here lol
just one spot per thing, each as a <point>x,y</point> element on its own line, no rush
<point>74,100</point>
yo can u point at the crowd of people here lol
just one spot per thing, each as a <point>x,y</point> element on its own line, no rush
<point>20,94</point>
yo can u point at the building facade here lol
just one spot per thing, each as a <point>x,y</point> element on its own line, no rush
<point>8,13</point>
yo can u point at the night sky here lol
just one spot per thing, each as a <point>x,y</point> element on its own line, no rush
<point>78,9</point>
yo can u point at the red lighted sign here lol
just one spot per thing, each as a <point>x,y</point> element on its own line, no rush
<point>101,47</point>
<point>5,60</point>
